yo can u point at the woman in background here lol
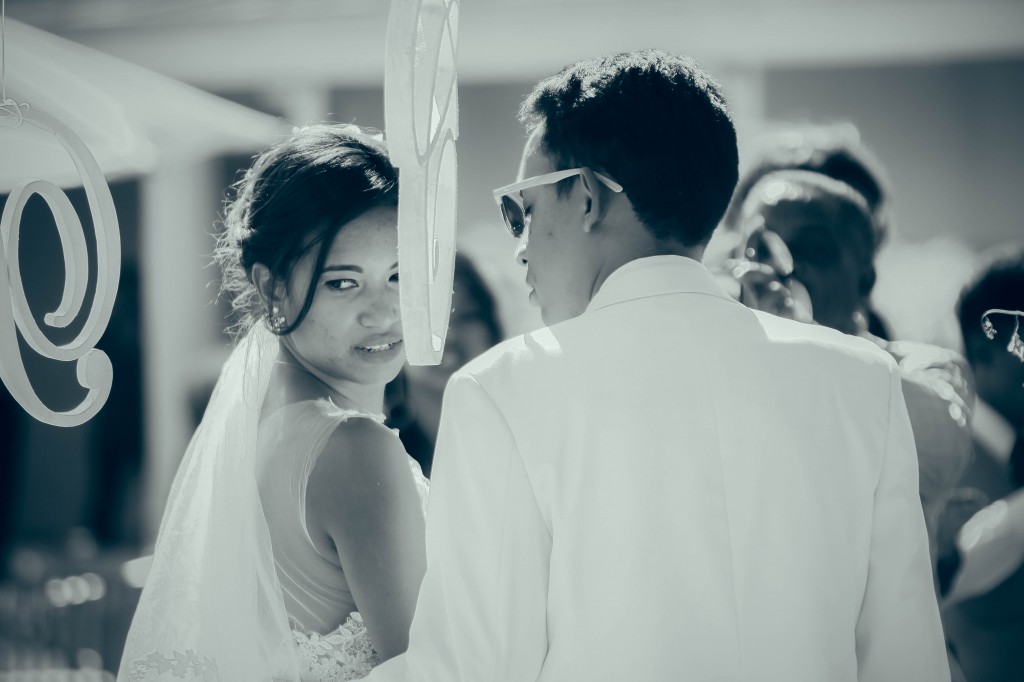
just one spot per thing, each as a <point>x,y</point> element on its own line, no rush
<point>292,546</point>
<point>829,233</point>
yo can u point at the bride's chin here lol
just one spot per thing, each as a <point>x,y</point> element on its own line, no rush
<point>387,372</point>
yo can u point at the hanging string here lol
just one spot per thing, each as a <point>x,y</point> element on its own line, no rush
<point>11,114</point>
<point>3,50</point>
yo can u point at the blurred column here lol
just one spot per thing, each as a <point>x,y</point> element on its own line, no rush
<point>745,91</point>
<point>304,103</point>
<point>179,203</point>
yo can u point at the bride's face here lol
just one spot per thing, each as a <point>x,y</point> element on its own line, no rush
<point>353,330</point>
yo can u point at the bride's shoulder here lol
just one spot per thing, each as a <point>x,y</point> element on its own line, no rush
<point>360,446</point>
<point>362,463</point>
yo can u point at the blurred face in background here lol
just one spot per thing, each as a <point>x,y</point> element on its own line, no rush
<point>827,259</point>
<point>353,330</point>
<point>470,333</point>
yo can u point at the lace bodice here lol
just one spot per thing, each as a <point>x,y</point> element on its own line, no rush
<point>344,654</point>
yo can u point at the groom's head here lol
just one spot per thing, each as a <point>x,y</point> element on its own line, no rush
<point>650,152</point>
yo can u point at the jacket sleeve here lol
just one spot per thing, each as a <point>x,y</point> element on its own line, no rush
<point>482,608</point>
<point>899,635</point>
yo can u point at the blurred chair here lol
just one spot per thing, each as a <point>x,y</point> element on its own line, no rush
<point>64,612</point>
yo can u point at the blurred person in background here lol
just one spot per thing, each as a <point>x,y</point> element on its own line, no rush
<point>937,382</point>
<point>413,399</point>
<point>292,545</point>
<point>985,618</point>
<point>829,240</point>
<point>834,151</point>
<point>827,230</point>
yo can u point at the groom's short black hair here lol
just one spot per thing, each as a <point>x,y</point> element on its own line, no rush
<point>656,123</point>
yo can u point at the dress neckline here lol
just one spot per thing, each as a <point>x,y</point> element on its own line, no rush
<point>330,409</point>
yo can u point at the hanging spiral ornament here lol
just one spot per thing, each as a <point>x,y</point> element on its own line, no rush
<point>93,368</point>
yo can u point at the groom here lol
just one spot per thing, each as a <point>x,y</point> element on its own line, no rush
<point>662,484</point>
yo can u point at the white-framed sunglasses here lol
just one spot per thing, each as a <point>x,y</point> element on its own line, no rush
<point>510,199</point>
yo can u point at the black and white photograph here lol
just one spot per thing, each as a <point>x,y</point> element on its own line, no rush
<point>511,340</point>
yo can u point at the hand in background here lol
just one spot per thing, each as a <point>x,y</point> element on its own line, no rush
<point>762,287</point>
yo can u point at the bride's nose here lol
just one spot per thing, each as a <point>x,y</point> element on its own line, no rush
<point>381,310</point>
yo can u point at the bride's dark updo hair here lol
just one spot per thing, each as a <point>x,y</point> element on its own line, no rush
<point>293,201</point>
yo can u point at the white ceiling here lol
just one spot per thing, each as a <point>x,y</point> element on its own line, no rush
<point>230,44</point>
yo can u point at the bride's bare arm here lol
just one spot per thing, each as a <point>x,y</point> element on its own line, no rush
<point>362,494</point>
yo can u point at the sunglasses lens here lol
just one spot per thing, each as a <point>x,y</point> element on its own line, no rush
<point>513,215</point>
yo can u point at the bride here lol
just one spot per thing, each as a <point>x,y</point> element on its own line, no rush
<point>292,545</point>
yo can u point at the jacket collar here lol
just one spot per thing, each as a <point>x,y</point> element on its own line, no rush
<point>656,276</point>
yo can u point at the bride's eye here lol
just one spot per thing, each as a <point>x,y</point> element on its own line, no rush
<point>394,277</point>
<point>341,284</point>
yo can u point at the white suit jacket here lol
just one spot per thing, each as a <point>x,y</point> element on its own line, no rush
<point>674,487</point>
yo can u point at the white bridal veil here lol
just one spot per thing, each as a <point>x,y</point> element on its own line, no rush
<point>212,607</point>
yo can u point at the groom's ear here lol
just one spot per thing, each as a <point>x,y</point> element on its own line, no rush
<point>269,288</point>
<point>595,196</point>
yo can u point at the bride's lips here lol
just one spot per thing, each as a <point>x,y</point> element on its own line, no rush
<point>380,350</point>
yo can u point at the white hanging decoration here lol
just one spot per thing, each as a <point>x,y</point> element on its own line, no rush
<point>422,124</point>
<point>93,367</point>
